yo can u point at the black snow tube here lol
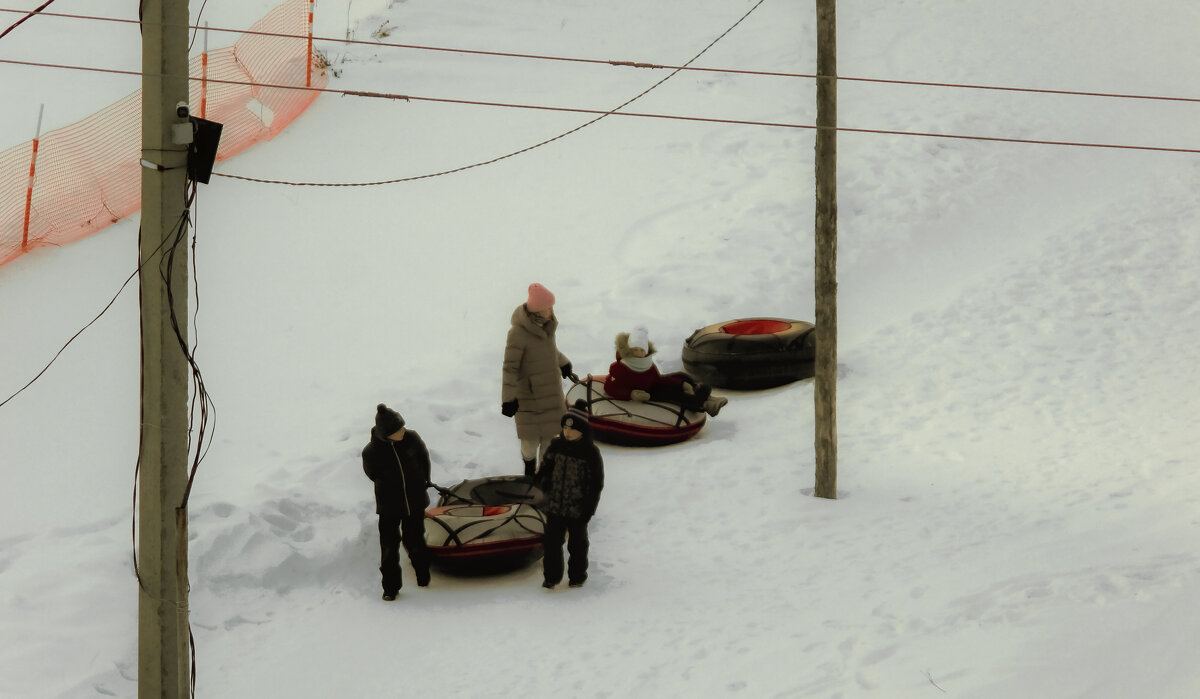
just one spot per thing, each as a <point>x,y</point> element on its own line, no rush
<point>751,353</point>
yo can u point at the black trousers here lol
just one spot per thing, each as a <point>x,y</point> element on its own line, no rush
<point>411,531</point>
<point>676,394</point>
<point>574,530</point>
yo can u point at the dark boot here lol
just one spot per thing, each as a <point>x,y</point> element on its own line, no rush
<point>530,467</point>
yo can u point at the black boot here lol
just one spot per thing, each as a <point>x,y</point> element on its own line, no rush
<point>529,467</point>
<point>713,405</point>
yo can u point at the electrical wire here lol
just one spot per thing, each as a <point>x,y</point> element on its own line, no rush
<point>68,343</point>
<point>614,112</point>
<point>200,393</point>
<point>173,238</point>
<point>605,113</point>
<point>19,22</point>
<point>602,114</point>
<point>646,65</point>
<point>443,49</point>
<point>196,27</point>
<point>201,400</point>
<point>81,330</point>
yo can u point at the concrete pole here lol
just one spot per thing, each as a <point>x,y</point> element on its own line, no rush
<point>163,658</point>
<point>825,261</point>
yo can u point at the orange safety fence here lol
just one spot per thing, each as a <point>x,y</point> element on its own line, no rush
<point>73,181</point>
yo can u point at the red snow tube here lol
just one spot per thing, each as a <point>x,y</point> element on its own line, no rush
<point>751,353</point>
<point>633,423</point>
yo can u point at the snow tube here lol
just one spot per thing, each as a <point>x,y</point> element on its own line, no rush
<point>486,524</point>
<point>751,353</point>
<point>633,423</point>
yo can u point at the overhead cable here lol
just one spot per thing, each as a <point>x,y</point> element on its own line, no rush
<point>28,14</point>
<point>579,110</point>
<point>657,66</point>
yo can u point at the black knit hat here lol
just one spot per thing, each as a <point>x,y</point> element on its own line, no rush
<point>576,418</point>
<point>387,421</point>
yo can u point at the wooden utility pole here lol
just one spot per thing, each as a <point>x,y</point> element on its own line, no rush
<point>163,659</point>
<point>825,260</point>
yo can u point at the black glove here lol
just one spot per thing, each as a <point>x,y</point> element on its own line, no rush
<point>509,408</point>
<point>566,370</point>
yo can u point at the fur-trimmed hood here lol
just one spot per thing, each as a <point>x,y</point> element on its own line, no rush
<point>622,344</point>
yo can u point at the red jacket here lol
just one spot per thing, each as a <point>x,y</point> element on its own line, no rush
<point>622,380</point>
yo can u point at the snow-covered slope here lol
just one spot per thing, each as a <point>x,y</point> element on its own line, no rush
<point>1017,411</point>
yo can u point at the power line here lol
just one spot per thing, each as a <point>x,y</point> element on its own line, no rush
<point>578,110</point>
<point>996,139</point>
<point>28,14</point>
<point>569,132</point>
<point>601,114</point>
<point>115,71</point>
<point>1000,88</point>
<point>656,66</point>
<point>1029,141</point>
<point>417,47</point>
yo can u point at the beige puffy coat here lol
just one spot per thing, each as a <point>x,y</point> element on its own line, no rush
<point>532,376</point>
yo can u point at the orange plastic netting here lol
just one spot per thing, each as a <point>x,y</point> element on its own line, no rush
<point>88,174</point>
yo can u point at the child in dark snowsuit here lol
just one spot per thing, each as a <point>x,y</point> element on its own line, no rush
<point>571,476</point>
<point>397,462</point>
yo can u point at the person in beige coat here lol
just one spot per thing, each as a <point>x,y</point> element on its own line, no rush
<point>533,373</point>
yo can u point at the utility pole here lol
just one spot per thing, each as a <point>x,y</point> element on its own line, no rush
<point>163,658</point>
<point>825,259</point>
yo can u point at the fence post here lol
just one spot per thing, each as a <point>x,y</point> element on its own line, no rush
<point>37,134</point>
<point>308,58</point>
<point>204,76</point>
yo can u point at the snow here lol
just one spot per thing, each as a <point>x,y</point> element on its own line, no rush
<point>1020,324</point>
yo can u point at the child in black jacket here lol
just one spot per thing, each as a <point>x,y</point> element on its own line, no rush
<point>571,476</point>
<point>397,462</point>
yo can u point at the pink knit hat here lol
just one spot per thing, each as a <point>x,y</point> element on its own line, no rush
<point>540,298</point>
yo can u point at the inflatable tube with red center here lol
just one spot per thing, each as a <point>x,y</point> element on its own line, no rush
<point>486,524</point>
<point>751,353</point>
<point>633,423</point>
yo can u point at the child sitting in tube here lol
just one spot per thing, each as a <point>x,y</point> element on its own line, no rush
<point>634,376</point>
